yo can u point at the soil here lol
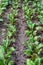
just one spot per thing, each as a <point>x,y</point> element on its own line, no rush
<point>21,38</point>
<point>18,55</point>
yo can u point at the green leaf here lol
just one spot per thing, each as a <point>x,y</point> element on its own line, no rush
<point>37,61</point>
<point>1,19</point>
<point>26,1</point>
<point>12,49</point>
<point>9,33</point>
<point>12,28</point>
<point>10,63</point>
<point>29,62</point>
<point>6,42</point>
<point>10,18</point>
<point>42,59</point>
<point>35,38</point>
<point>39,46</point>
<point>41,12</point>
<point>1,62</point>
<point>9,51</point>
<point>29,23</point>
<point>27,52</point>
<point>40,18</point>
<point>31,38</point>
<point>39,28</point>
<point>1,53</point>
<point>36,43</point>
<point>34,32</point>
<point>28,32</point>
<point>1,11</point>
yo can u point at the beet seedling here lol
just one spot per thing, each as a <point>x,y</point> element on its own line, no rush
<point>3,5</point>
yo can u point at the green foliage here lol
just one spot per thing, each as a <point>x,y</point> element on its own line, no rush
<point>33,9</point>
<point>15,4</point>
<point>1,19</point>
<point>3,5</point>
<point>6,49</point>
<point>1,53</point>
<point>35,62</point>
<point>33,48</point>
<point>10,18</point>
<point>29,62</point>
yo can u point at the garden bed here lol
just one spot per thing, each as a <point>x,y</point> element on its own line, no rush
<point>18,56</point>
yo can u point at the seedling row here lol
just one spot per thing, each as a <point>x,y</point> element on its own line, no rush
<point>33,14</point>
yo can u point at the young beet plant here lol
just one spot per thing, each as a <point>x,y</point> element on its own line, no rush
<point>33,46</point>
<point>3,5</point>
<point>15,5</point>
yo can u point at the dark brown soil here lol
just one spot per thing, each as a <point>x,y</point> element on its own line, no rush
<point>21,38</point>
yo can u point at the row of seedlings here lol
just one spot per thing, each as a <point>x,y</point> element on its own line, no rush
<point>31,10</point>
<point>6,48</point>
